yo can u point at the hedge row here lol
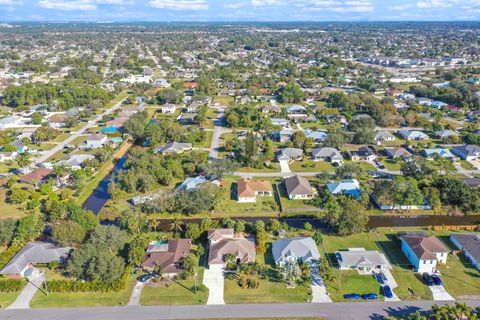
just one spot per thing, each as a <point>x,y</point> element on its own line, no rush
<point>11,285</point>
<point>89,286</point>
<point>9,253</point>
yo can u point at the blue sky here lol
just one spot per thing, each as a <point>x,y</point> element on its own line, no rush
<point>238,10</point>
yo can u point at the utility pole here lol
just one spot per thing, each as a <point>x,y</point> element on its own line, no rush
<point>45,282</point>
<point>195,280</point>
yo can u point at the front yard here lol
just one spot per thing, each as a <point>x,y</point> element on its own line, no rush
<point>311,166</point>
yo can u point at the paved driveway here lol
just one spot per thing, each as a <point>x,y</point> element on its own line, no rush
<point>284,167</point>
<point>214,280</point>
<point>136,294</point>
<point>440,294</point>
<point>319,292</point>
<point>23,300</point>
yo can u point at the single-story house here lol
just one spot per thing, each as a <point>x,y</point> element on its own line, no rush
<point>348,187</point>
<point>57,121</point>
<point>471,182</point>
<point>301,249</point>
<point>280,122</point>
<point>168,108</point>
<point>470,245</point>
<point>37,176</point>
<point>298,188</point>
<point>445,134</point>
<point>284,135</point>
<point>8,156</point>
<point>441,152</point>
<point>75,161</point>
<point>95,141</point>
<point>327,154</point>
<point>317,136</point>
<point>424,252</point>
<point>168,255</point>
<point>467,152</point>
<point>413,135</point>
<point>36,252</point>
<point>223,241</point>
<point>248,190</point>
<point>438,104</point>
<point>363,154</point>
<point>193,107</point>
<point>187,119</point>
<point>400,152</point>
<point>364,261</point>
<point>296,109</point>
<point>290,154</point>
<point>270,109</point>
<point>382,136</point>
<point>19,145</point>
<point>174,147</point>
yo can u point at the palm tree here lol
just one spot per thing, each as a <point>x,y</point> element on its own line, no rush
<point>154,223</point>
<point>176,225</point>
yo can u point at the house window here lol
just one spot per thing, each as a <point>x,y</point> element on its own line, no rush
<point>424,261</point>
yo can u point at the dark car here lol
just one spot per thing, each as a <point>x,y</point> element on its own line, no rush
<point>369,296</point>
<point>146,277</point>
<point>387,292</point>
<point>428,279</point>
<point>436,279</point>
<point>352,296</point>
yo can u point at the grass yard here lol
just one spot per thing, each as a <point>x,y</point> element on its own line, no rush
<point>83,299</point>
<point>392,165</point>
<point>44,146</point>
<point>274,167</point>
<point>311,166</point>
<point>79,140</point>
<point>314,125</point>
<point>177,293</point>
<point>293,204</point>
<point>7,299</point>
<point>7,210</point>
<point>223,100</point>
<point>349,281</point>
<point>207,141</point>
<point>467,165</point>
<point>61,137</point>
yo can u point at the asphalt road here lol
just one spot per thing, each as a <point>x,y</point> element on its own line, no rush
<point>334,311</point>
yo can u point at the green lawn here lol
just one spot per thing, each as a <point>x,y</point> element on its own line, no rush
<point>392,165</point>
<point>207,141</point>
<point>83,299</point>
<point>229,204</point>
<point>43,146</point>
<point>467,165</point>
<point>223,100</point>
<point>311,166</point>
<point>6,299</point>
<point>349,281</point>
<point>61,137</point>
<point>314,125</point>
<point>176,293</point>
<point>7,210</point>
<point>292,204</point>
<point>274,167</point>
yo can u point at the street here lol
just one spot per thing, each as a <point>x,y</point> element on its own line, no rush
<point>334,311</point>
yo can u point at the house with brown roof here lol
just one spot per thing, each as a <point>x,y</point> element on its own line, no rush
<point>223,241</point>
<point>167,255</point>
<point>248,190</point>
<point>37,176</point>
<point>298,188</point>
<point>424,252</point>
<point>57,121</point>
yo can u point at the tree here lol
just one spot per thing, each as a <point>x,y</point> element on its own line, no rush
<point>291,93</point>
<point>193,231</point>
<point>298,139</point>
<point>222,167</point>
<point>136,250</point>
<point>349,171</point>
<point>326,272</point>
<point>36,118</point>
<point>111,238</point>
<point>67,233</point>
<point>18,196</point>
<point>176,225</point>
<point>350,219</point>
<point>7,230</point>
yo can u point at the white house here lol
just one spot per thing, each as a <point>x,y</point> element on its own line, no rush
<point>424,252</point>
<point>364,261</point>
<point>248,190</point>
<point>7,156</point>
<point>95,141</point>
<point>302,249</point>
<point>168,108</point>
<point>470,245</point>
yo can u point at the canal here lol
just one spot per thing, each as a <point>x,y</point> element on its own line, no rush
<point>100,195</point>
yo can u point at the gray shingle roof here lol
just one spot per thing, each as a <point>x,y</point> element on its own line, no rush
<point>303,248</point>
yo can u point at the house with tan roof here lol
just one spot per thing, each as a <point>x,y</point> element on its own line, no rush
<point>424,252</point>
<point>36,177</point>
<point>248,190</point>
<point>167,255</point>
<point>298,188</point>
<point>223,241</point>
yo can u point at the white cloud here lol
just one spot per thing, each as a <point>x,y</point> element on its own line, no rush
<point>78,5</point>
<point>268,3</point>
<point>180,4</point>
<point>436,4</point>
<point>356,6</point>
<point>10,3</point>
<point>401,7</point>
<point>237,5</point>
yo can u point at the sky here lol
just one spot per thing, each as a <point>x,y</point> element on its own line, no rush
<point>239,10</point>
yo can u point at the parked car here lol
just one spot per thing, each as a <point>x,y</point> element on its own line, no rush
<point>387,292</point>
<point>428,279</point>
<point>436,279</point>
<point>369,296</point>
<point>146,277</point>
<point>352,296</point>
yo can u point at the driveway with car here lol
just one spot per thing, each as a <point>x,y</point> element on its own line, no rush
<point>214,280</point>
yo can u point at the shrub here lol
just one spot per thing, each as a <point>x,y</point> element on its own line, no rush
<point>10,285</point>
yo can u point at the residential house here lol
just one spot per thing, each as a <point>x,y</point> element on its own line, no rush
<point>336,118</point>
<point>441,152</point>
<point>406,96</point>
<point>298,188</point>
<point>95,141</point>
<point>438,104</point>
<point>222,242</point>
<point>361,260</point>
<point>382,136</point>
<point>57,121</point>
<point>248,190</point>
<point>37,176</point>
<point>347,187</point>
<point>195,183</point>
<point>394,153</point>
<point>290,154</point>
<point>193,107</point>
<point>413,135</point>
<point>187,119</point>
<point>271,109</point>
<point>75,161</point>
<point>168,108</point>
<point>36,252</point>
<point>471,182</point>
<point>327,154</point>
<point>470,245</point>
<point>469,152</point>
<point>424,252</point>
<point>363,154</point>
<point>317,136</point>
<point>424,101</point>
<point>10,122</point>
<point>296,109</point>
<point>19,145</point>
<point>280,122</point>
<point>168,256</point>
<point>301,249</point>
<point>8,156</point>
<point>445,134</point>
<point>282,135</point>
<point>174,147</point>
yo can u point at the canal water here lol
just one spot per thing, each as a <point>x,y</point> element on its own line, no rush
<point>100,195</point>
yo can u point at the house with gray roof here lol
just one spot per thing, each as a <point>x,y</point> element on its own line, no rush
<point>75,161</point>
<point>445,134</point>
<point>413,135</point>
<point>37,252</point>
<point>467,152</point>
<point>298,188</point>
<point>327,154</point>
<point>290,154</point>
<point>364,261</point>
<point>382,136</point>
<point>470,245</point>
<point>394,153</point>
<point>302,249</point>
<point>174,147</point>
<point>441,152</point>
